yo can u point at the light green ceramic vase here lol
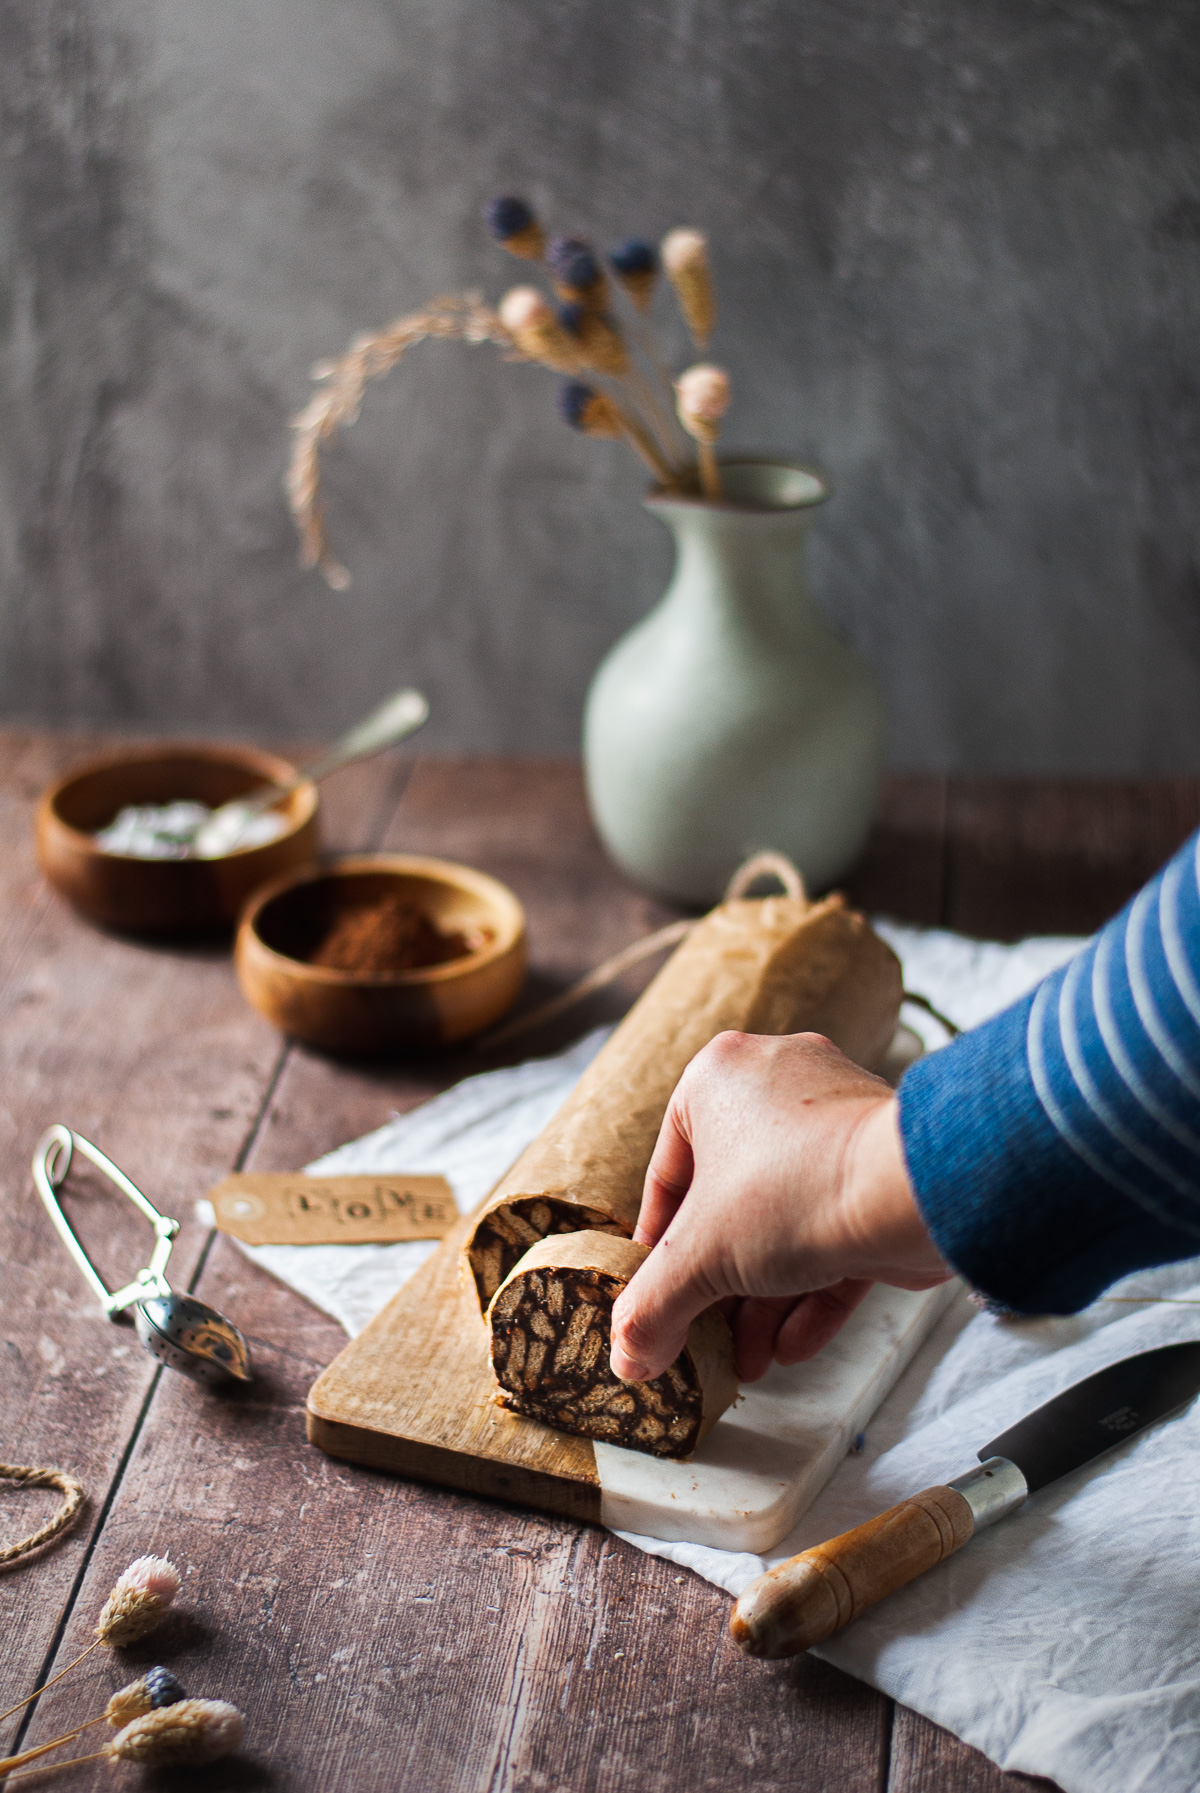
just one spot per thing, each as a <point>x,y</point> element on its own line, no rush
<point>732,719</point>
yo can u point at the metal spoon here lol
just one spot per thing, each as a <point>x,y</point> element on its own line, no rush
<point>399,716</point>
<point>181,1332</point>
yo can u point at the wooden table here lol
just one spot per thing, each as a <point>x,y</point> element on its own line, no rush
<point>378,1633</point>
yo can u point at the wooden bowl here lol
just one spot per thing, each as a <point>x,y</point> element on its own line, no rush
<point>166,896</point>
<point>345,1012</point>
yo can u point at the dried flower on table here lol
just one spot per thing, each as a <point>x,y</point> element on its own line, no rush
<point>188,1733</point>
<point>635,265</point>
<point>149,1693</point>
<point>138,1602</point>
<point>513,224</point>
<point>685,259</point>
<point>191,1731</point>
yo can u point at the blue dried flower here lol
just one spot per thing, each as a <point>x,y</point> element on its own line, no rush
<point>562,249</point>
<point>162,1689</point>
<point>574,400</point>
<point>512,223</point>
<point>601,346</point>
<point>590,412</point>
<point>573,264</point>
<point>508,217</point>
<point>634,258</point>
<point>635,265</point>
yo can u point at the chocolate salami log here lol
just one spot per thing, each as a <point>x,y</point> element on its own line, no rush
<point>774,965</point>
<point>550,1327</point>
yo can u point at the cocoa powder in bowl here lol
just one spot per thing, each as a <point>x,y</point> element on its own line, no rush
<point>474,918</point>
<point>386,934</point>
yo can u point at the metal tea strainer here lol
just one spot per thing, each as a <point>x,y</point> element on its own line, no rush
<point>181,1332</point>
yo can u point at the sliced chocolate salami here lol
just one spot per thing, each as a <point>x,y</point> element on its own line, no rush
<point>550,1327</point>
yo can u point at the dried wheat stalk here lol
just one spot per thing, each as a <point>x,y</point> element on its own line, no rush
<point>456,317</point>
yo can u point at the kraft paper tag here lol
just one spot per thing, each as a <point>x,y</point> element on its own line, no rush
<point>285,1208</point>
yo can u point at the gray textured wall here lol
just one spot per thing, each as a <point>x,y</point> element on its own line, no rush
<point>958,248</point>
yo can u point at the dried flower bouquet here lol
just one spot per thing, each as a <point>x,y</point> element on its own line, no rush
<point>153,1720</point>
<point>596,330</point>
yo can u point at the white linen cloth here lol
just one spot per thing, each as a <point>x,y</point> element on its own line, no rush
<point>1066,1641</point>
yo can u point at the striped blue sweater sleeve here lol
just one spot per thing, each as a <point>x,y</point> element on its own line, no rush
<point>1057,1147</point>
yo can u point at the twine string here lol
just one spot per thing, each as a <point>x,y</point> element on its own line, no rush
<point>759,865</point>
<point>923,1002</point>
<point>766,865</point>
<point>603,974</point>
<point>73,1493</point>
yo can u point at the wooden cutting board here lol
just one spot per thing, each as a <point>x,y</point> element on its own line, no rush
<point>414,1393</point>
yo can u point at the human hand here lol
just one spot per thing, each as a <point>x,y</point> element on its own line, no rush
<point>778,1187</point>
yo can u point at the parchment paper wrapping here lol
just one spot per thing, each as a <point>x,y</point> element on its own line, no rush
<point>770,966</point>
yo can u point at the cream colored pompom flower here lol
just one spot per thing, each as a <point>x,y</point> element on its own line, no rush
<point>138,1602</point>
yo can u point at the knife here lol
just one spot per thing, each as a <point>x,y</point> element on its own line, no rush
<point>806,1599</point>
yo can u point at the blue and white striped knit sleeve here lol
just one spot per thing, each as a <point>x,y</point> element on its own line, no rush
<point>1057,1147</point>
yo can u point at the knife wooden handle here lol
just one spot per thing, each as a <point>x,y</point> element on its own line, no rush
<point>808,1598</point>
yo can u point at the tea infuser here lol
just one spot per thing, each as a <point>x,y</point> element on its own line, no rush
<point>181,1332</point>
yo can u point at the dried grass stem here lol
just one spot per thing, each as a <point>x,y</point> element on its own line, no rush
<point>643,444</point>
<point>710,472</point>
<point>454,318</point>
<point>38,1691</point>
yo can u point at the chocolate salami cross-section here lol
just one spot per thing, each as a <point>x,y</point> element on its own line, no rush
<point>550,1326</point>
<point>773,965</point>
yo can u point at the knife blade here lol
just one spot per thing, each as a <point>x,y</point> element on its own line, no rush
<point>806,1599</point>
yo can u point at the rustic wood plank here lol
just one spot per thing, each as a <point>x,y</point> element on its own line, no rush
<point>526,822</point>
<point>927,1759</point>
<point>152,1053</point>
<point>381,1634</point>
<point>903,867</point>
<point>149,1050</point>
<point>1058,856</point>
<point>384,1633</point>
<point>298,1561</point>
